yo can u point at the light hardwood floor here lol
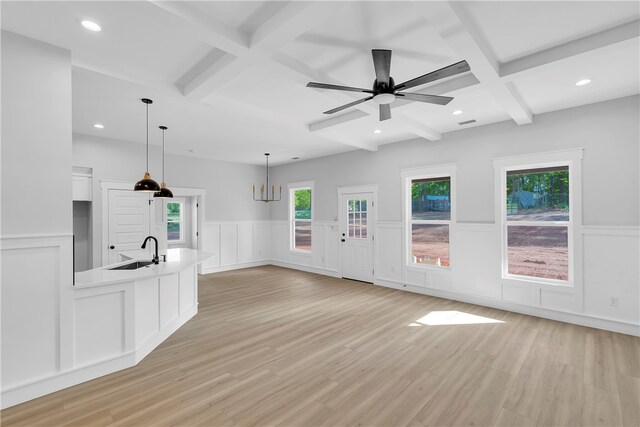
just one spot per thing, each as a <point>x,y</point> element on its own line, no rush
<point>272,346</point>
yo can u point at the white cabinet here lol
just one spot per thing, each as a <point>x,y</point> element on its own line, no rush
<point>81,187</point>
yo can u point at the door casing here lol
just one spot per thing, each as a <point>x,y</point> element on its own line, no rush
<point>371,225</point>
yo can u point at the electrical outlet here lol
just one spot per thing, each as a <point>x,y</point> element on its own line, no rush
<point>614,301</point>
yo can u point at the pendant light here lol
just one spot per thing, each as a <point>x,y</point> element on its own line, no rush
<point>267,199</point>
<point>164,191</point>
<point>147,184</point>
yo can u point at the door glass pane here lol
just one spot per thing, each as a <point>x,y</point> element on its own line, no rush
<point>363,205</point>
<point>538,194</point>
<point>430,244</point>
<point>303,235</point>
<point>538,252</point>
<point>356,205</point>
<point>351,203</point>
<point>173,231</point>
<point>430,198</point>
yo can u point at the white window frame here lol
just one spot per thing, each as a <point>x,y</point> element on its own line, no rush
<point>182,204</point>
<point>292,188</point>
<point>428,172</point>
<point>570,158</point>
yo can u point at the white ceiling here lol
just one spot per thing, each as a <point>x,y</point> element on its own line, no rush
<point>228,78</point>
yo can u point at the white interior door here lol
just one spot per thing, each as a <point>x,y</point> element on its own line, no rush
<point>129,221</point>
<point>356,235</point>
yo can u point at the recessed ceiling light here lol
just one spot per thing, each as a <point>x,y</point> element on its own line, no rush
<point>457,112</point>
<point>91,26</point>
<point>377,131</point>
<point>98,126</point>
<point>295,158</point>
<point>191,150</point>
<point>583,82</point>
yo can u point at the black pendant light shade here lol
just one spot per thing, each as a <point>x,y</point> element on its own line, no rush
<point>164,191</point>
<point>147,184</point>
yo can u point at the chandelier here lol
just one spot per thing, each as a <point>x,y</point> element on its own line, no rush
<point>265,197</point>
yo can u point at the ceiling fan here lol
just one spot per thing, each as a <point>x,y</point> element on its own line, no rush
<point>385,91</point>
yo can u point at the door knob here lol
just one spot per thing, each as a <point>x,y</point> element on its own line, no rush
<point>112,247</point>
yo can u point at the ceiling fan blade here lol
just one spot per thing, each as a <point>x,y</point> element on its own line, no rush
<point>385,112</point>
<point>421,97</point>
<point>351,104</point>
<point>337,87</point>
<point>451,70</point>
<point>382,64</point>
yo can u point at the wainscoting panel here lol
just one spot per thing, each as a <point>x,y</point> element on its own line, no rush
<point>105,312</point>
<point>238,244</point>
<point>35,270</point>
<point>476,262</point>
<point>229,244</point>
<point>611,269</point>
<point>211,244</point>
<point>389,250</point>
<point>169,299</point>
<point>147,309</point>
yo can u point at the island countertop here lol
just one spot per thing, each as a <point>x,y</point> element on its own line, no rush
<point>177,260</point>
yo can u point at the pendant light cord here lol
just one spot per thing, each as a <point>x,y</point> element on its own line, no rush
<point>163,155</point>
<point>148,138</point>
<point>267,176</point>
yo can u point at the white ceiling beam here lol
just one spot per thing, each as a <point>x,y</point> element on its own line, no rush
<point>350,115</point>
<point>284,26</point>
<point>554,56</point>
<point>303,73</point>
<point>206,28</point>
<point>456,28</point>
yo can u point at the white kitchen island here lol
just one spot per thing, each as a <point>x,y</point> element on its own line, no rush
<point>127,313</point>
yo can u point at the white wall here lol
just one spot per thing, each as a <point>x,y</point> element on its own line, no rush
<point>609,134</point>
<point>228,185</point>
<point>608,131</point>
<point>36,238</point>
<point>36,137</point>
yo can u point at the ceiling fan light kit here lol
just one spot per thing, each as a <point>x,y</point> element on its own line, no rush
<point>147,184</point>
<point>385,91</point>
<point>265,197</point>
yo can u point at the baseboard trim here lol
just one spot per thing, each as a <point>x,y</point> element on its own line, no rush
<point>43,386</point>
<point>307,268</point>
<point>577,319</point>
<point>210,270</point>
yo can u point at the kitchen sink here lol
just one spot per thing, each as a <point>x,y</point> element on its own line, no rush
<point>132,265</point>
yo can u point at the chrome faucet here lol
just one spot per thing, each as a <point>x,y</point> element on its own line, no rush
<point>155,259</point>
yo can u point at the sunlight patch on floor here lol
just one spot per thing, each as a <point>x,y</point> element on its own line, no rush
<point>439,318</point>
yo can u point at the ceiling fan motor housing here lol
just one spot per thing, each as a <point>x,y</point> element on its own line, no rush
<point>383,93</point>
<point>381,87</point>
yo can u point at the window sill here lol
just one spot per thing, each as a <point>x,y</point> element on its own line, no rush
<point>299,252</point>
<point>429,267</point>
<point>549,283</point>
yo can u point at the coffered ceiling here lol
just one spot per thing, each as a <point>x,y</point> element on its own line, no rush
<point>228,78</point>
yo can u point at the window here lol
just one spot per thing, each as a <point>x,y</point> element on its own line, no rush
<point>301,216</point>
<point>175,221</point>
<point>429,215</point>
<point>537,212</point>
<point>357,216</point>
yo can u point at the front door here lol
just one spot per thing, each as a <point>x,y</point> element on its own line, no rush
<point>356,235</point>
<point>129,213</point>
